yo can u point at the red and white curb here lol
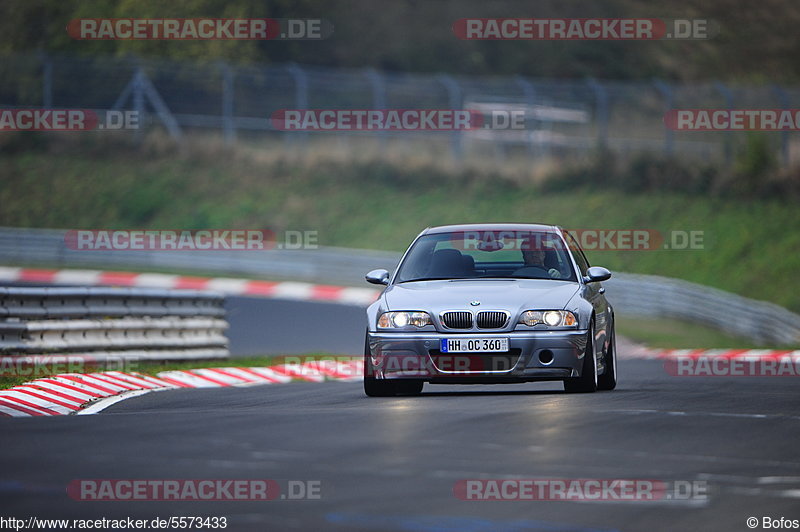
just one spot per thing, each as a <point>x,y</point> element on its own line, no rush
<point>89,393</point>
<point>225,285</point>
<point>639,352</point>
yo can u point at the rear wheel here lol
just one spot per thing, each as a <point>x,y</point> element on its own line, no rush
<point>587,382</point>
<point>608,380</point>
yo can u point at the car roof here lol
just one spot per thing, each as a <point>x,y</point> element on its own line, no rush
<point>491,227</point>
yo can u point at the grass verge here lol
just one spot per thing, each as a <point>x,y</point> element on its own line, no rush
<point>670,333</point>
<point>749,244</point>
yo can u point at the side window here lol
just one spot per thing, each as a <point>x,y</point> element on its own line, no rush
<point>580,258</point>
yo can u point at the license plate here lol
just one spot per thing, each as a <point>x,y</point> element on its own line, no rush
<point>473,345</point>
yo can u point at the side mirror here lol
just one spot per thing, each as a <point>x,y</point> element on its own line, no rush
<point>596,274</point>
<point>378,277</point>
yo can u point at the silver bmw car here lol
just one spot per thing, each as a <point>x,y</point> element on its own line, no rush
<point>490,304</point>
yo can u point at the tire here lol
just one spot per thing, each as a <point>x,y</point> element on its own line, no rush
<point>409,387</point>
<point>375,387</point>
<point>608,380</point>
<point>386,388</point>
<point>587,382</point>
<point>379,388</point>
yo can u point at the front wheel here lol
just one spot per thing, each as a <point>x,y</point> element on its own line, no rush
<point>384,387</point>
<point>409,387</point>
<point>378,388</point>
<point>587,382</point>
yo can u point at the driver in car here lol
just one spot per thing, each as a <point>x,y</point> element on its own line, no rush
<point>534,257</point>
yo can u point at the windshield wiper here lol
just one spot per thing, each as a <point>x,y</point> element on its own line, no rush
<point>432,279</point>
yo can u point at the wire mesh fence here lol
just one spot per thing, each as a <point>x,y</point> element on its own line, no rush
<point>238,101</point>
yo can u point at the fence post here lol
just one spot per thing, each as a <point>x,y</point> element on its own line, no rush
<point>228,125</point>
<point>160,107</point>
<point>601,101</point>
<point>669,135</point>
<point>138,102</point>
<point>455,99</point>
<point>47,80</point>
<point>529,92</point>
<point>300,96</point>
<point>784,98</point>
<point>728,95</point>
<point>139,88</point>
<point>378,97</point>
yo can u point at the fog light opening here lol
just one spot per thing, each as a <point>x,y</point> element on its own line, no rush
<point>546,356</point>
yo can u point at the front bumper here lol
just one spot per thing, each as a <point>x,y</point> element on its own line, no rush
<point>532,356</point>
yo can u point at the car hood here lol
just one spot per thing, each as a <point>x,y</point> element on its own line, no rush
<point>514,295</point>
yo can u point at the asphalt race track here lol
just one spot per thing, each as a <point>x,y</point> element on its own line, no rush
<point>392,463</point>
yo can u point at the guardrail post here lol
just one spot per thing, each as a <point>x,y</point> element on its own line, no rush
<point>455,102</point>
<point>728,95</point>
<point>602,113</point>
<point>228,125</point>
<point>669,135</point>
<point>300,97</point>
<point>785,104</point>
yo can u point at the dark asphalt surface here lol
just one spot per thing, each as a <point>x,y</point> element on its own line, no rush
<point>391,463</point>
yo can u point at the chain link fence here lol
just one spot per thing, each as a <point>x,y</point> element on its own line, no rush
<point>238,101</point>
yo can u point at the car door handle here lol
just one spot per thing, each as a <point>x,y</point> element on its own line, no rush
<point>602,290</point>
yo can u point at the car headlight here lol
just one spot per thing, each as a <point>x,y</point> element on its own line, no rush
<point>551,318</point>
<point>399,320</point>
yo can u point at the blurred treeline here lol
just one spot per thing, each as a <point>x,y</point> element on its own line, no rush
<point>758,41</point>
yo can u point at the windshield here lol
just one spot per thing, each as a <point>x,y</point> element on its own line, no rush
<point>487,254</point>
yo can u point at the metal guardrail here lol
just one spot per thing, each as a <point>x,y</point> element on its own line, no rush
<point>324,265</point>
<point>662,297</point>
<point>99,324</point>
<point>636,295</point>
